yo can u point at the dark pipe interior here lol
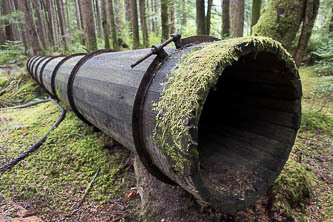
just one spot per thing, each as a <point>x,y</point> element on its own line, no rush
<point>245,128</point>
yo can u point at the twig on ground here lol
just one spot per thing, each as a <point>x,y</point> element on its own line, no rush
<point>86,191</point>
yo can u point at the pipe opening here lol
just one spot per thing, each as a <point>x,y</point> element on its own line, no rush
<point>247,125</point>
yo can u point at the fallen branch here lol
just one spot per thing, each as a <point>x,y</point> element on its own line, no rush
<point>87,191</point>
<point>40,142</point>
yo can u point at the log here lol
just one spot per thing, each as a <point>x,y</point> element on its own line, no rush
<point>218,118</point>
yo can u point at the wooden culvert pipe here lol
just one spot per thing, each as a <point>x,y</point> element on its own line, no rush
<point>218,118</point>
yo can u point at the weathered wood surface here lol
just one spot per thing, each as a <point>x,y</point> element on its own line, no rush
<point>246,129</point>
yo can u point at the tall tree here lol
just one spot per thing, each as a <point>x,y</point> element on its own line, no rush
<point>185,12</point>
<point>40,24</point>
<point>225,18</point>
<point>51,24</point>
<point>237,17</point>
<point>89,24</point>
<point>32,38</point>
<point>281,20</point>
<point>154,18</point>
<point>135,24</point>
<point>164,20</point>
<point>113,27</point>
<point>9,27</point>
<point>208,16</point>
<point>98,19</point>
<point>143,22</point>
<point>311,11</point>
<point>172,10</point>
<point>105,24</point>
<point>256,8</point>
<point>61,16</point>
<point>200,17</point>
<point>19,5</point>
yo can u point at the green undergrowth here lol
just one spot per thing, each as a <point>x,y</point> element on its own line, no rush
<point>303,191</point>
<point>59,172</point>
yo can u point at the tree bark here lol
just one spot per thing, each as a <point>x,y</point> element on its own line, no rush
<point>208,16</point>
<point>172,10</point>
<point>225,18</point>
<point>164,20</point>
<point>237,18</point>
<point>135,24</point>
<point>200,17</point>
<point>40,24</point>
<point>98,18</point>
<point>61,16</point>
<point>311,11</point>
<point>89,24</point>
<point>256,8</point>
<point>185,12</point>
<point>105,25</point>
<point>113,27</point>
<point>9,28</point>
<point>119,21</point>
<point>50,17</point>
<point>128,15</point>
<point>143,22</point>
<point>281,21</point>
<point>32,38</point>
<point>19,6</point>
<point>154,19</point>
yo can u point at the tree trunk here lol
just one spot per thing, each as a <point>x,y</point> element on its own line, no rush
<point>143,22</point>
<point>237,18</point>
<point>119,7</point>
<point>113,27</point>
<point>154,19</point>
<point>61,16</point>
<point>89,24</point>
<point>208,16</point>
<point>98,17</point>
<point>281,21</point>
<point>50,15</point>
<point>128,15</point>
<point>225,18</point>
<point>185,13</point>
<point>9,28</point>
<point>135,24</point>
<point>200,17</point>
<point>256,8</point>
<point>19,5</point>
<point>172,10</point>
<point>311,11</point>
<point>164,20</point>
<point>105,25</point>
<point>32,38</point>
<point>40,24</point>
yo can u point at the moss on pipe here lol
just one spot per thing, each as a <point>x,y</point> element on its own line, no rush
<point>186,89</point>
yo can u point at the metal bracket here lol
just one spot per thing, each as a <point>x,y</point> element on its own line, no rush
<point>159,49</point>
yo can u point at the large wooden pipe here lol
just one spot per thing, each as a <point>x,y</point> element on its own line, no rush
<point>218,118</point>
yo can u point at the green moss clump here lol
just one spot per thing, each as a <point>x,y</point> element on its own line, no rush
<point>59,172</point>
<point>317,121</point>
<point>280,21</point>
<point>188,86</point>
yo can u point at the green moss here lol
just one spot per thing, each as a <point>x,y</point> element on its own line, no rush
<point>187,87</point>
<point>280,21</point>
<point>317,121</point>
<point>61,169</point>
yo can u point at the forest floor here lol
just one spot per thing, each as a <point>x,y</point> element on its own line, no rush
<point>50,183</point>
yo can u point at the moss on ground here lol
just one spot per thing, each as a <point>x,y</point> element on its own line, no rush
<point>189,83</point>
<point>59,172</point>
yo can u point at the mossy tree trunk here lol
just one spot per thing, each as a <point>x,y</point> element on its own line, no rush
<point>256,8</point>
<point>89,24</point>
<point>311,11</point>
<point>225,18</point>
<point>208,16</point>
<point>200,17</point>
<point>281,20</point>
<point>237,18</point>
<point>105,25</point>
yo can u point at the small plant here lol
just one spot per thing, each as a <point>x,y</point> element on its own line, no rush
<point>325,65</point>
<point>323,90</point>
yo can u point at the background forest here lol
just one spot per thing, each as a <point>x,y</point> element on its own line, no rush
<point>50,184</point>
